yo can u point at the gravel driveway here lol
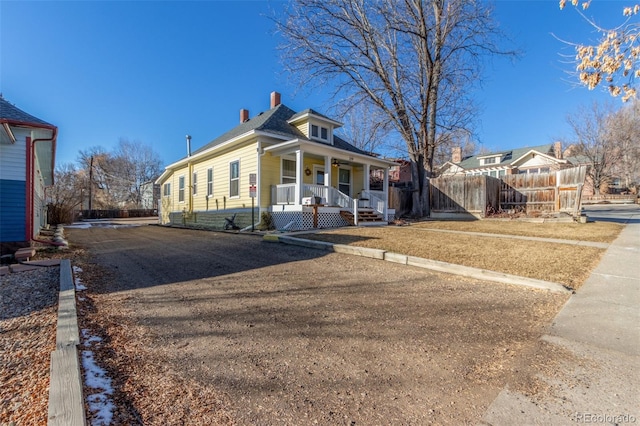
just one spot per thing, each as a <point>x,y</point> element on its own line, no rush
<point>280,334</point>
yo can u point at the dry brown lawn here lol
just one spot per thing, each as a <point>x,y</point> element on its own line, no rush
<point>602,232</point>
<point>567,264</point>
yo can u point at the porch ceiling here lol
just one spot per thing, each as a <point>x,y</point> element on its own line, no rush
<point>319,151</point>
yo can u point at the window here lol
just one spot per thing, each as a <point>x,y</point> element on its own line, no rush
<point>234,179</point>
<point>324,133</point>
<point>288,171</point>
<point>314,131</point>
<point>194,183</point>
<point>167,189</point>
<point>491,160</point>
<point>502,173</point>
<point>181,189</point>
<point>209,182</point>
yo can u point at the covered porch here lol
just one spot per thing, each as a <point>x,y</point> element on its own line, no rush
<point>323,187</point>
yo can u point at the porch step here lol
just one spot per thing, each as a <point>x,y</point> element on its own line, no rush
<point>367,216</point>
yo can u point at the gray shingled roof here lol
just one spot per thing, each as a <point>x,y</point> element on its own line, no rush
<point>309,111</point>
<point>275,121</point>
<point>11,113</point>
<point>507,157</point>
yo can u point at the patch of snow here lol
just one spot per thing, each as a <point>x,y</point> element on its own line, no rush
<point>100,403</point>
<point>79,225</point>
<point>89,339</point>
<point>78,282</point>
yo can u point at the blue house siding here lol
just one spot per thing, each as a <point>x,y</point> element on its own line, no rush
<point>12,210</point>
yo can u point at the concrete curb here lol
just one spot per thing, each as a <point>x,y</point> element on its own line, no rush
<point>66,402</point>
<point>434,265</point>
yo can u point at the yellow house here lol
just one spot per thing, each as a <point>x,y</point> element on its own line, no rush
<point>288,164</point>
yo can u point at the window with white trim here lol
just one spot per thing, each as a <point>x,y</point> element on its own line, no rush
<point>314,131</point>
<point>181,189</point>
<point>234,178</point>
<point>288,171</point>
<point>210,182</point>
<point>194,183</point>
<point>167,189</point>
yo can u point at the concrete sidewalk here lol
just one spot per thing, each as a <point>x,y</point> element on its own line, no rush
<point>600,327</point>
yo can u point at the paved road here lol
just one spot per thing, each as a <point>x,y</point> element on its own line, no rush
<point>620,213</point>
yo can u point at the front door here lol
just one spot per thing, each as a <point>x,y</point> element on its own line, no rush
<point>344,181</point>
<point>318,175</point>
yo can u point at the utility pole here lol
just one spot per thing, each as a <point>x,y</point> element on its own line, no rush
<point>90,187</point>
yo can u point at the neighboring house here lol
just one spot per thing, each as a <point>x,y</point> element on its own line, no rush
<point>282,162</point>
<point>150,195</point>
<point>399,173</point>
<point>538,159</point>
<point>27,162</point>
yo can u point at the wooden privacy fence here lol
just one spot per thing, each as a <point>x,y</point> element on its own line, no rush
<point>115,213</point>
<point>400,200</point>
<point>558,191</point>
<point>464,194</point>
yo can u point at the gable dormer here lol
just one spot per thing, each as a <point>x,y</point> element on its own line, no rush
<point>488,160</point>
<point>315,126</point>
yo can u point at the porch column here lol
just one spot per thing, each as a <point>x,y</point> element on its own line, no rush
<point>299,174</point>
<point>327,170</point>
<point>385,189</point>
<point>367,170</point>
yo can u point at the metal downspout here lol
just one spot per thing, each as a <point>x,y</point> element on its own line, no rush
<point>31,184</point>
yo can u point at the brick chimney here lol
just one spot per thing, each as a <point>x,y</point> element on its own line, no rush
<point>244,115</point>
<point>456,154</point>
<point>275,99</point>
<point>557,150</point>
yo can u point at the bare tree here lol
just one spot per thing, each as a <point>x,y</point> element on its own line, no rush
<point>413,59</point>
<point>625,129</point>
<point>364,126</point>
<point>139,164</point>
<point>448,142</point>
<point>614,60</point>
<point>103,183</point>
<point>115,178</point>
<point>66,194</point>
<point>595,142</point>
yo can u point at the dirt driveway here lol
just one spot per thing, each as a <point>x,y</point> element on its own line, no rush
<point>201,327</point>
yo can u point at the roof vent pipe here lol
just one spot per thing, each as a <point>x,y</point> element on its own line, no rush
<point>188,145</point>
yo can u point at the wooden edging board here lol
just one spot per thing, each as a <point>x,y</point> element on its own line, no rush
<point>66,402</point>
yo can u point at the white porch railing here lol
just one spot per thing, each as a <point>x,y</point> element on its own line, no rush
<point>283,194</point>
<point>376,200</point>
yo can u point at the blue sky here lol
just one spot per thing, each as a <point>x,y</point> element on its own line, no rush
<point>154,71</point>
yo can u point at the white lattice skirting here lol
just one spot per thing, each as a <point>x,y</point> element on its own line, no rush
<point>303,221</point>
